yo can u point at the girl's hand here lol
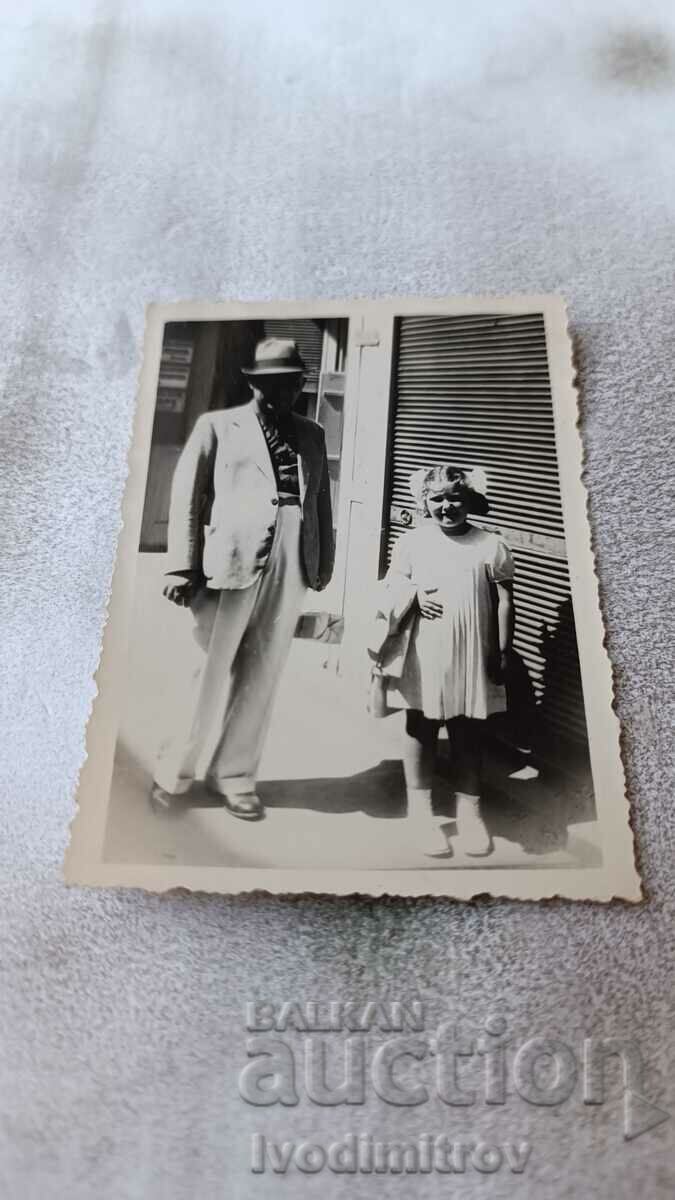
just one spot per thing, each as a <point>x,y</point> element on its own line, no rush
<point>429,608</point>
<point>498,665</point>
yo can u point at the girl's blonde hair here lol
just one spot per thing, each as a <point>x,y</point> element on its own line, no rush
<point>470,481</point>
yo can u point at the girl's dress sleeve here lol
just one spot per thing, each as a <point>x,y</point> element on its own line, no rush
<point>394,598</point>
<point>398,587</point>
<point>501,568</point>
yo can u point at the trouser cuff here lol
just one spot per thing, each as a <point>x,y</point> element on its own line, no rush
<point>232,785</point>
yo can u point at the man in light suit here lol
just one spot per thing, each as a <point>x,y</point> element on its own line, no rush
<point>250,529</point>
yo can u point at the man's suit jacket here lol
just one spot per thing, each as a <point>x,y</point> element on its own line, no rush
<point>224,501</point>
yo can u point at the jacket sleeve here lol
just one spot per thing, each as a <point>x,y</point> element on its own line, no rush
<point>190,490</point>
<point>325,518</point>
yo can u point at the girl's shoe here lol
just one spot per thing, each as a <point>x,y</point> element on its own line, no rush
<point>472,835</point>
<point>422,826</point>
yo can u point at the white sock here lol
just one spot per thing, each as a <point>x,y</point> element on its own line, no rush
<point>472,834</point>
<point>471,799</point>
<point>419,794</point>
<point>419,802</point>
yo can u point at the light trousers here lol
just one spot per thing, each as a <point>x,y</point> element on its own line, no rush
<point>246,635</point>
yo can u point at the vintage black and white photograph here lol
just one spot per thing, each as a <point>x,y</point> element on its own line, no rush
<point>356,642</point>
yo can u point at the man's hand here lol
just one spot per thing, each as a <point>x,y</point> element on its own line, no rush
<point>429,608</point>
<point>184,592</point>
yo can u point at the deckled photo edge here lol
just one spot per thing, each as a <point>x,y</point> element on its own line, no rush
<point>90,795</point>
<point>596,667</point>
<point>616,878</point>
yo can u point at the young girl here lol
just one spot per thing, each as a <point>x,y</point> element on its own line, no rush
<point>450,586</point>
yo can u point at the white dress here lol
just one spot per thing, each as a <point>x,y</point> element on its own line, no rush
<point>445,669</point>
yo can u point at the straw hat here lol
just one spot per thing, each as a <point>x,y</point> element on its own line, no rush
<point>276,356</point>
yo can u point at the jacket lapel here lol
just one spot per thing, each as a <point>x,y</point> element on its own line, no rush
<point>249,425</point>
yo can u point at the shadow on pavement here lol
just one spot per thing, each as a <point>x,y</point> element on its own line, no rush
<point>534,810</point>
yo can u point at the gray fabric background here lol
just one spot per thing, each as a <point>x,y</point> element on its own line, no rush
<point>161,151</point>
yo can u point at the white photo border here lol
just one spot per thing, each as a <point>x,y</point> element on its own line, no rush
<point>615,878</point>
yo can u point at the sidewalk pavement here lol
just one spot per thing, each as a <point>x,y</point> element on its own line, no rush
<point>331,776</point>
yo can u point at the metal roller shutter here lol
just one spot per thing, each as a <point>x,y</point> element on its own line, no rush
<point>474,390</point>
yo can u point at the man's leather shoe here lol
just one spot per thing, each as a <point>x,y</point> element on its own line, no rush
<point>246,805</point>
<point>160,800</point>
